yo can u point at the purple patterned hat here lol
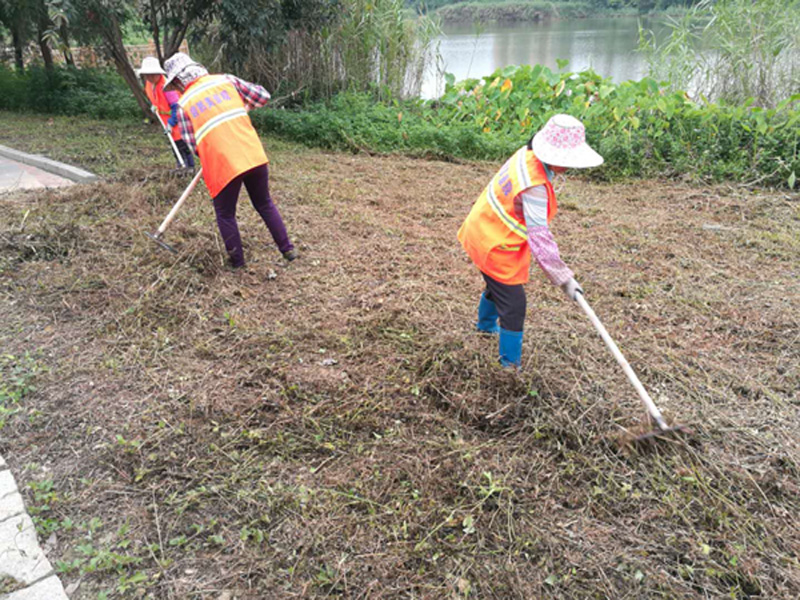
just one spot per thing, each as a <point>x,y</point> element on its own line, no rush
<point>180,66</point>
<point>562,143</point>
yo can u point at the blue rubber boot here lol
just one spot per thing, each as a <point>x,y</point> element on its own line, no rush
<point>510,348</point>
<point>487,316</point>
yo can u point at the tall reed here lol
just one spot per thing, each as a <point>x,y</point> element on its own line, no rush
<point>372,45</point>
<point>731,50</point>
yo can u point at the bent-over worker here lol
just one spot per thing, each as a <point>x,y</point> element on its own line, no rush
<point>212,116</point>
<point>165,103</point>
<point>509,222</point>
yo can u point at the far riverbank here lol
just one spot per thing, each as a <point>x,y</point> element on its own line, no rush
<point>531,12</point>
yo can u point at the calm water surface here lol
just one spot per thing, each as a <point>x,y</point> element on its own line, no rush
<point>604,44</point>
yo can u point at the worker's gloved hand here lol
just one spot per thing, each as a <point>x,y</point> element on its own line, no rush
<point>572,288</point>
<point>173,115</point>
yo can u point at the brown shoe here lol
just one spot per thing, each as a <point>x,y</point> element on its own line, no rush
<point>290,255</point>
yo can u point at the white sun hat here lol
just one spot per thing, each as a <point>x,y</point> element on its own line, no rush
<point>150,66</point>
<point>181,66</point>
<point>562,143</point>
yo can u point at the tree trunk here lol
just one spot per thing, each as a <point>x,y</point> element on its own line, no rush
<point>173,44</point>
<point>156,34</point>
<point>67,52</point>
<point>42,24</point>
<point>47,53</point>
<point>167,41</point>
<point>114,46</point>
<point>16,36</point>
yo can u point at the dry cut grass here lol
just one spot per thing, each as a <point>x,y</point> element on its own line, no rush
<point>339,430</point>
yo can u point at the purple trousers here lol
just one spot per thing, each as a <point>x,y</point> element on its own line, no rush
<point>257,183</point>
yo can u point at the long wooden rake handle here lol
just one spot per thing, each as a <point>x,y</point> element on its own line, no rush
<point>646,399</point>
<point>169,137</point>
<point>179,203</point>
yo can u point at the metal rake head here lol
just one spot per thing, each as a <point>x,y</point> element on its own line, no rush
<point>662,433</point>
<point>160,242</point>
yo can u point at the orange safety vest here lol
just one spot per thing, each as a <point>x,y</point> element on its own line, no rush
<point>156,95</point>
<point>226,141</point>
<point>493,234</point>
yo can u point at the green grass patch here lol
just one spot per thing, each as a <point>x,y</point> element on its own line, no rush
<point>208,433</point>
<point>16,382</point>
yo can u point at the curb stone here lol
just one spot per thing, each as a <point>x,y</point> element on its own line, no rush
<point>49,165</point>
<point>46,589</point>
<point>23,563</point>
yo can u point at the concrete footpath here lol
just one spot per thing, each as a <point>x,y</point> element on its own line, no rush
<point>19,176</point>
<point>20,170</point>
<point>25,571</point>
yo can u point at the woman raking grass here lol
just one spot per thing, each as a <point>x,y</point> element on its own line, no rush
<point>164,104</point>
<point>213,120</point>
<point>510,222</point>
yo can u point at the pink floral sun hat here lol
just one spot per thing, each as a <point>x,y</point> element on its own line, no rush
<point>562,143</point>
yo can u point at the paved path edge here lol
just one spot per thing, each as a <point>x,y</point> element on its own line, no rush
<point>23,561</point>
<point>49,165</point>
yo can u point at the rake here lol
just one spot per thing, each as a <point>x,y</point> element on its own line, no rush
<point>661,428</point>
<point>156,237</point>
<point>169,137</point>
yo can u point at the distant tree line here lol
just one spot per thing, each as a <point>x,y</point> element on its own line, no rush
<point>319,46</point>
<point>54,26</point>
<point>643,6</point>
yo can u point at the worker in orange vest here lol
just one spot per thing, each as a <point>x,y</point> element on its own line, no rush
<point>509,222</point>
<point>212,116</point>
<point>164,103</point>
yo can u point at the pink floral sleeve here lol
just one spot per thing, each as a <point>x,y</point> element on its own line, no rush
<point>545,251</point>
<point>532,203</point>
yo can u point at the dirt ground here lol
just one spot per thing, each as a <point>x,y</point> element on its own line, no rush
<point>334,427</point>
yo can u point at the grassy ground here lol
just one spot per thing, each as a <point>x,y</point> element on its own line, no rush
<point>334,428</point>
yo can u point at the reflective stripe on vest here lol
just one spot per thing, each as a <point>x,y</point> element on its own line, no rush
<point>226,141</point>
<point>232,113</point>
<point>196,90</point>
<point>156,95</point>
<point>493,234</point>
<point>221,118</point>
<point>520,180</point>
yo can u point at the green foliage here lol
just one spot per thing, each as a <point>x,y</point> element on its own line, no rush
<point>526,9</point>
<point>731,50</point>
<point>354,121</point>
<point>641,128</point>
<point>16,376</point>
<point>109,554</point>
<point>513,10</point>
<point>322,47</point>
<point>67,91</point>
<point>377,44</point>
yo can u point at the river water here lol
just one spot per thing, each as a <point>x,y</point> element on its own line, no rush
<point>608,45</point>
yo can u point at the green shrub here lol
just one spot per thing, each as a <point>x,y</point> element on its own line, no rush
<point>731,50</point>
<point>641,128</point>
<point>67,91</point>
<point>512,11</point>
